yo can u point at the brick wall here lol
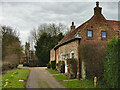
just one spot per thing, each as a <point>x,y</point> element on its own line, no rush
<point>52,54</point>
<point>66,50</point>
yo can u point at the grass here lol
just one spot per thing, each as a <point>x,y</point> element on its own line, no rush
<point>52,71</point>
<point>74,83</point>
<point>61,77</point>
<point>43,84</point>
<point>13,78</point>
<point>80,84</point>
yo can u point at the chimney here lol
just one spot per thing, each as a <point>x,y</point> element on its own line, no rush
<point>97,9</point>
<point>72,27</point>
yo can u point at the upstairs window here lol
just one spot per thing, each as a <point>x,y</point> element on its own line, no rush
<point>103,35</point>
<point>89,33</point>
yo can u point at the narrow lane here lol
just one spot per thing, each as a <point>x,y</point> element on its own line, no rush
<point>41,78</point>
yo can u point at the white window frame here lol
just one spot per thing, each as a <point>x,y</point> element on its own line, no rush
<point>71,54</point>
<point>57,58</point>
<point>102,35</point>
<point>90,33</point>
<point>61,56</point>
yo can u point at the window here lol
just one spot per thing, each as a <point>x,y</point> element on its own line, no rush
<point>103,34</point>
<point>72,54</point>
<point>57,58</point>
<point>61,57</point>
<point>89,33</point>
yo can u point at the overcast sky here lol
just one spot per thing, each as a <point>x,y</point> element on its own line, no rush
<point>24,16</point>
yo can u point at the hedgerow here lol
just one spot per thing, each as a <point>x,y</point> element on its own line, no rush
<point>112,63</point>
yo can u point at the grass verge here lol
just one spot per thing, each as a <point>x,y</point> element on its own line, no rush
<point>11,79</point>
<point>52,71</point>
<point>74,83</point>
<point>79,84</point>
<point>61,77</point>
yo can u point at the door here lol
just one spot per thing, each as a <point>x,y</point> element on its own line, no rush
<point>66,67</point>
<point>57,58</point>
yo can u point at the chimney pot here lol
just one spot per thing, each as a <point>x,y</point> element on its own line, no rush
<point>72,23</point>
<point>73,26</point>
<point>97,4</point>
<point>97,9</point>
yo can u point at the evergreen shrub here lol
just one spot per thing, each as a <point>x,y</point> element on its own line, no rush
<point>112,63</point>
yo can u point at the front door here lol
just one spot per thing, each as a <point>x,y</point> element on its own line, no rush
<point>66,66</point>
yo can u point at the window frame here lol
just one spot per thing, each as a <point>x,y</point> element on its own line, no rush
<point>103,37</point>
<point>72,52</point>
<point>87,33</point>
<point>61,56</point>
<point>57,59</point>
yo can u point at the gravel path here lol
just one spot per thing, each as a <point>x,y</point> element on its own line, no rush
<point>41,78</point>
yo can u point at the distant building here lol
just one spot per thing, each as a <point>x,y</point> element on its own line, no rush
<point>97,28</point>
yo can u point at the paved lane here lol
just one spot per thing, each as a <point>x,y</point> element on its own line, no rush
<point>41,78</point>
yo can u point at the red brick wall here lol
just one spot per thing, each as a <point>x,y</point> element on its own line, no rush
<point>52,54</point>
<point>67,48</point>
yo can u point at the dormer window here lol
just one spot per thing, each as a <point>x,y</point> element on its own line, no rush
<point>103,35</point>
<point>89,33</point>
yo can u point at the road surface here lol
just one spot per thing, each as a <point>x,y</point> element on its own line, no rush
<point>41,78</point>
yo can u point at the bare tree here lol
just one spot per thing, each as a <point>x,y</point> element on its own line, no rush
<point>11,45</point>
<point>52,29</point>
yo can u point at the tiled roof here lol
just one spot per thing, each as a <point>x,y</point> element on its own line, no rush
<point>97,19</point>
<point>71,34</point>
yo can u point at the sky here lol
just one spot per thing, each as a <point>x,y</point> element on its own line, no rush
<point>24,15</point>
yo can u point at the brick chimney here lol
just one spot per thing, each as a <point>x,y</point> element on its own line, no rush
<point>72,27</point>
<point>97,9</point>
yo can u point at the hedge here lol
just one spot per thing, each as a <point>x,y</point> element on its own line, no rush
<point>48,65</point>
<point>93,55</point>
<point>53,64</point>
<point>9,66</point>
<point>112,63</point>
<point>72,67</point>
<point>33,63</point>
<point>61,66</point>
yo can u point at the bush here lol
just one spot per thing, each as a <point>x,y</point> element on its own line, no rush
<point>93,55</point>
<point>61,66</point>
<point>48,65</point>
<point>33,63</point>
<point>112,63</point>
<point>72,67</point>
<point>5,67</point>
<point>53,64</point>
<point>9,66</point>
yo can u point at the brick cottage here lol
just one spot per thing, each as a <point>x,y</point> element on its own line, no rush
<point>97,28</point>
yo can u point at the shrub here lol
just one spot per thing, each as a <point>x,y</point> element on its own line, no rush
<point>72,67</point>
<point>61,66</point>
<point>5,67</point>
<point>112,63</point>
<point>53,64</point>
<point>33,63</point>
<point>8,66</point>
<point>93,55</point>
<point>48,65</point>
